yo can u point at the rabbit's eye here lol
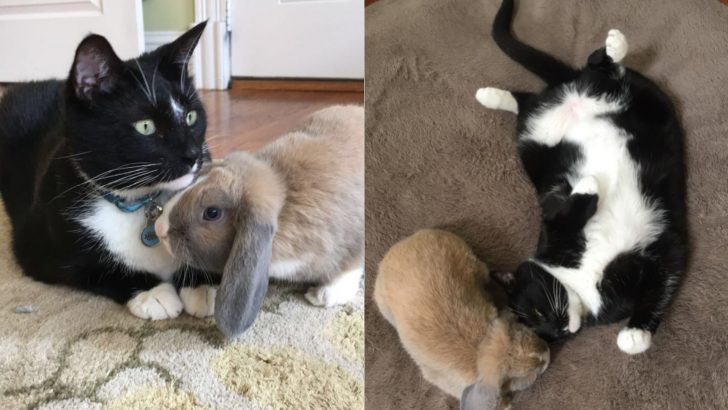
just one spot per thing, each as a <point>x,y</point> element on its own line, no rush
<point>212,214</point>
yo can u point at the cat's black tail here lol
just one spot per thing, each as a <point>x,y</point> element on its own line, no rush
<point>543,65</point>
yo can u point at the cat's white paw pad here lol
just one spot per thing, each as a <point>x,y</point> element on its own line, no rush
<point>616,45</point>
<point>633,341</point>
<point>574,323</point>
<point>159,302</point>
<point>496,99</point>
<point>199,301</point>
<point>587,185</point>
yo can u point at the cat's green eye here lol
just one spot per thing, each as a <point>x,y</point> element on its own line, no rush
<point>191,118</point>
<point>145,127</point>
<point>537,313</point>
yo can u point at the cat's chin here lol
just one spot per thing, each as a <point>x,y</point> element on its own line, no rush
<point>177,184</point>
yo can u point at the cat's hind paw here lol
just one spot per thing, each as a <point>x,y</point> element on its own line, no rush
<point>157,303</point>
<point>497,99</point>
<point>634,341</point>
<point>616,45</point>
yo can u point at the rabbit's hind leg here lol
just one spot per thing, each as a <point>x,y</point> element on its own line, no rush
<point>339,290</point>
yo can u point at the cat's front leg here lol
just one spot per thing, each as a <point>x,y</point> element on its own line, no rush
<point>572,206</point>
<point>199,301</point>
<point>198,291</point>
<point>585,199</point>
<point>145,295</point>
<point>157,303</point>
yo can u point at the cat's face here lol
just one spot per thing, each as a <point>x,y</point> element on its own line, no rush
<point>538,300</point>
<point>135,126</point>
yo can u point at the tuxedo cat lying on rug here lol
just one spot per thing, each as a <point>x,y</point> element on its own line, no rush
<point>604,149</point>
<point>86,165</point>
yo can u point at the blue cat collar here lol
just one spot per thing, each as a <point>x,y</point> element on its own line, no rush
<point>130,206</point>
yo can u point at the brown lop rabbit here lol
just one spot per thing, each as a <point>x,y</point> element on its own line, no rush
<point>430,287</point>
<point>293,211</point>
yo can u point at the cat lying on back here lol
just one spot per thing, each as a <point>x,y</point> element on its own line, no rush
<point>606,141</point>
<point>85,162</point>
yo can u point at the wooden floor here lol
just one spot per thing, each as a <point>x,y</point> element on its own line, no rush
<point>241,119</point>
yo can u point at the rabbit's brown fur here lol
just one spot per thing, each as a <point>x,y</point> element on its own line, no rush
<point>292,211</point>
<point>430,286</point>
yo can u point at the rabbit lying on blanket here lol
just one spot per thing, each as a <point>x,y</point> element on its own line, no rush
<point>430,288</point>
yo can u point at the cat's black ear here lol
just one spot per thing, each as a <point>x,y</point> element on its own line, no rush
<point>176,55</point>
<point>95,68</point>
<point>505,279</point>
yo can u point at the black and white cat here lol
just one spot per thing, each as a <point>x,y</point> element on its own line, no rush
<point>83,160</point>
<point>604,149</point>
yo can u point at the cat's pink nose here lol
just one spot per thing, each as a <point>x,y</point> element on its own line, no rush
<point>160,228</point>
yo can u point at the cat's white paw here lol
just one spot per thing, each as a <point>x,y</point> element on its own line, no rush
<point>633,341</point>
<point>199,301</point>
<point>159,302</point>
<point>497,99</point>
<point>587,185</point>
<point>574,323</point>
<point>616,45</point>
<point>575,311</point>
<point>341,290</point>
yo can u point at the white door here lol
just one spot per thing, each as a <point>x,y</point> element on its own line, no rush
<point>38,38</point>
<point>298,38</point>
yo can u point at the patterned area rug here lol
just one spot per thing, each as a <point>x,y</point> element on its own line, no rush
<point>78,351</point>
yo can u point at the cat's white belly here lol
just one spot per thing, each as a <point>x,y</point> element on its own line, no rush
<point>624,220</point>
<point>120,234</point>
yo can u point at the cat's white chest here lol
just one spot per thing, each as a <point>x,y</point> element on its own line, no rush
<point>625,219</point>
<point>576,110</point>
<point>120,233</point>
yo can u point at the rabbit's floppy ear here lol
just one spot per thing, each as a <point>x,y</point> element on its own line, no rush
<point>245,277</point>
<point>479,397</point>
<point>493,354</point>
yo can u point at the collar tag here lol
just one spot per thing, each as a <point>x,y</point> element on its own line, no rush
<point>149,237</point>
<point>152,211</point>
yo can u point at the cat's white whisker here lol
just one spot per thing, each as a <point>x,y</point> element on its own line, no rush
<point>146,84</point>
<point>92,181</point>
<point>73,155</point>
<point>154,88</point>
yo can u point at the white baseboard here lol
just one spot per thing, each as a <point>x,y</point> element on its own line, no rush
<point>154,39</point>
